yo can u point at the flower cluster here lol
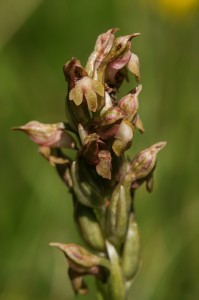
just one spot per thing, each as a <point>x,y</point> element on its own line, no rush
<point>101,179</point>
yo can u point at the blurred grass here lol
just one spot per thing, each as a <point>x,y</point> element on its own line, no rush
<point>36,39</point>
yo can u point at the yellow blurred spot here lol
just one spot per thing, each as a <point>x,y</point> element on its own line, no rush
<point>177,7</point>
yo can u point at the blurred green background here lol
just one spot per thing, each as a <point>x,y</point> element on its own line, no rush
<point>36,38</point>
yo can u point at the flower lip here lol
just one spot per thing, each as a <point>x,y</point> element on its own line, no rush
<point>89,89</point>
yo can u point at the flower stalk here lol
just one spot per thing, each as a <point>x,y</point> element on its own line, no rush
<point>101,180</point>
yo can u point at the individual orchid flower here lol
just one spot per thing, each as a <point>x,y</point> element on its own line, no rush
<point>129,103</point>
<point>95,153</point>
<point>120,47</point>
<point>102,47</point>
<point>116,65</point>
<point>73,71</point>
<point>81,85</point>
<point>81,262</point>
<point>119,61</point>
<point>144,162</point>
<point>90,90</point>
<point>48,135</point>
<point>143,166</point>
